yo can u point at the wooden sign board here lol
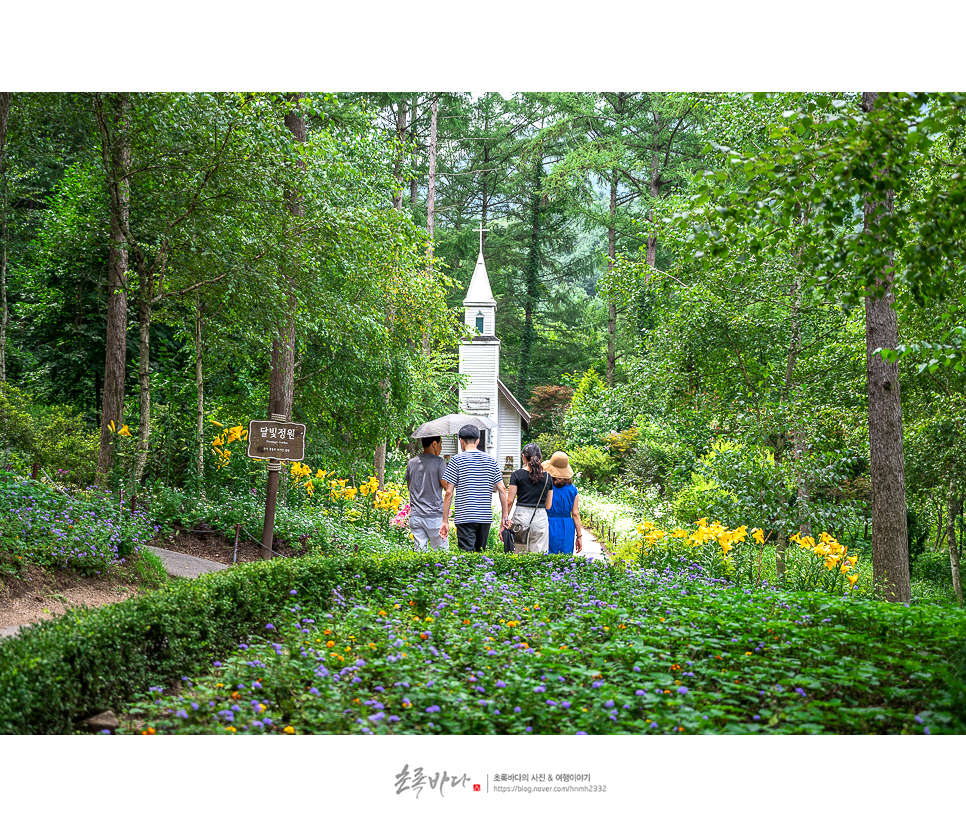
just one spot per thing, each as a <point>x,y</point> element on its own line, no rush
<point>280,441</point>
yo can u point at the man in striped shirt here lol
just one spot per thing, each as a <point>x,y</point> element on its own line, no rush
<point>471,476</point>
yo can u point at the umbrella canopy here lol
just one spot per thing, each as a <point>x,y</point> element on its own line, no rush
<point>451,424</point>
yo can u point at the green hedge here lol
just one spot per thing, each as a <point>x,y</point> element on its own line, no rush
<point>57,672</point>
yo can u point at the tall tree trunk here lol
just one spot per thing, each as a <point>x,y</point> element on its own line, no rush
<point>890,544</point>
<point>281,382</point>
<point>954,505</point>
<point>145,314</point>
<point>611,257</point>
<point>431,204</point>
<point>533,287</point>
<point>5,311</point>
<point>113,120</point>
<point>397,197</point>
<point>379,454</point>
<point>200,389</point>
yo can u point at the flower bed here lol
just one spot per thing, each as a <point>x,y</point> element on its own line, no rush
<point>480,644</point>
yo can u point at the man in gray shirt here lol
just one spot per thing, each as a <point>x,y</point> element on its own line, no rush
<point>424,476</point>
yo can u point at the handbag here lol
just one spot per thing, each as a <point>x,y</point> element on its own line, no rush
<point>521,532</point>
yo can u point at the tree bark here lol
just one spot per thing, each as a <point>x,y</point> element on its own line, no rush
<point>113,120</point>
<point>281,384</point>
<point>397,198</point>
<point>145,315</point>
<point>431,205</point>
<point>533,287</point>
<point>890,545</point>
<point>611,257</point>
<point>954,505</point>
<point>200,389</point>
<point>5,311</point>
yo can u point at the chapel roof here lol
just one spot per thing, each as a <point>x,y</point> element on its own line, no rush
<point>479,292</point>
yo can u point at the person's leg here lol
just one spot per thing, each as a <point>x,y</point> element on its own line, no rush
<point>539,532</point>
<point>466,536</point>
<point>482,533</point>
<point>436,542</point>
<point>418,526</point>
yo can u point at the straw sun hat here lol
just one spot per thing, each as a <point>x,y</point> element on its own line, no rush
<point>558,466</point>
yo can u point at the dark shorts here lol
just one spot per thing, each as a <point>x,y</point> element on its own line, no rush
<point>472,537</point>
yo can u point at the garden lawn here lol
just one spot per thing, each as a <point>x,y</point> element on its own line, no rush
<point>482,643</point>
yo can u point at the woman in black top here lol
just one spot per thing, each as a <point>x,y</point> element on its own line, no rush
<point>532,489</point>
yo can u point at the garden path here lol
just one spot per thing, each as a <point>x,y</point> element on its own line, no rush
<point>176,564</point>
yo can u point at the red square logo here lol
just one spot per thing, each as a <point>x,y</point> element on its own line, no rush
<point>476,787</point>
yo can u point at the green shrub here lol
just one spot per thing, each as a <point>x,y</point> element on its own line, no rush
<point>59,671</point>
<point>702,498</point>
<point>594,465</point>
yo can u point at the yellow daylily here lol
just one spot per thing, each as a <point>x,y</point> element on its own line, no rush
<point>125,431</point>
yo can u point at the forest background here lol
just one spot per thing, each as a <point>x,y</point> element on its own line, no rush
<point>693,290</point>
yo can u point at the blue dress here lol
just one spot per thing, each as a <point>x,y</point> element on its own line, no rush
<point>562,530</point>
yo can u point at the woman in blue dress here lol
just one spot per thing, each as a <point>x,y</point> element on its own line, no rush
<point>563,516</point>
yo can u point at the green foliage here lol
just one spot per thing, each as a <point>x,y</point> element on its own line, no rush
<point>593,466</point>
<point>56,672</point>
<point>702,498</point>
<point>528,653</point>
<point>85,531</point>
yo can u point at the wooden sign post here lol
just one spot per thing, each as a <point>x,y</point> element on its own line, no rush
<point>275,441</point>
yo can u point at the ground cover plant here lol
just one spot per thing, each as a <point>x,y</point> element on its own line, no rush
<point>87,530</point>
<point>502,644</point>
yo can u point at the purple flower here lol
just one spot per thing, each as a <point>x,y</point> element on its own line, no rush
<point>500,685</point>
<point>270,627</point>
<point>756,718</point>
<point>433,708</point>
<point>516,709</point>
<point>565,704</point>
<point>217,663</point>
<point>800,691</point>
<point>580,733</point>
<point>639,692</point>
<point>293,592</point>
<point>597,684</point>
<point>925,731</point>
<point>313,691</point>
<point>682,690</point>
<point>539,689</point>
<point>608,703</point>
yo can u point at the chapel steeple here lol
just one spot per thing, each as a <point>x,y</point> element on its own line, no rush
<point>479,304</point>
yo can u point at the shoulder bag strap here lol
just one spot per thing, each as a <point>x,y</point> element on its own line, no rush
<point>542,491</point>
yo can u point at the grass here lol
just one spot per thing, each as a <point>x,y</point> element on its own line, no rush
<point>506,645</point>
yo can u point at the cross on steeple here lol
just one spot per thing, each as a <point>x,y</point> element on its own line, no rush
<point>481,230</point>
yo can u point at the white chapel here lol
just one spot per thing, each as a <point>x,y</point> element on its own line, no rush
<point>485,393</point>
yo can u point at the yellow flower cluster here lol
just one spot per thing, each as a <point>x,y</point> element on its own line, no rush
<point>388,500</point>
<point>704,533</point>
<point>124,431</point>
<point>221,442</point>
<point>834,554</point>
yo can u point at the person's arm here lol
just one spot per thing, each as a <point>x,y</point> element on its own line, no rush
<point>504,504</point>
<point>507,497</point>
<point>447,500</point>
<point>575,515</point>
<point>549,495</point>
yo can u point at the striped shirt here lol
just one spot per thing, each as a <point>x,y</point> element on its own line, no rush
<point>473,475</point>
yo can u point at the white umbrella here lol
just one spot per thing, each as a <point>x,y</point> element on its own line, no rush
<point>451,424</point>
